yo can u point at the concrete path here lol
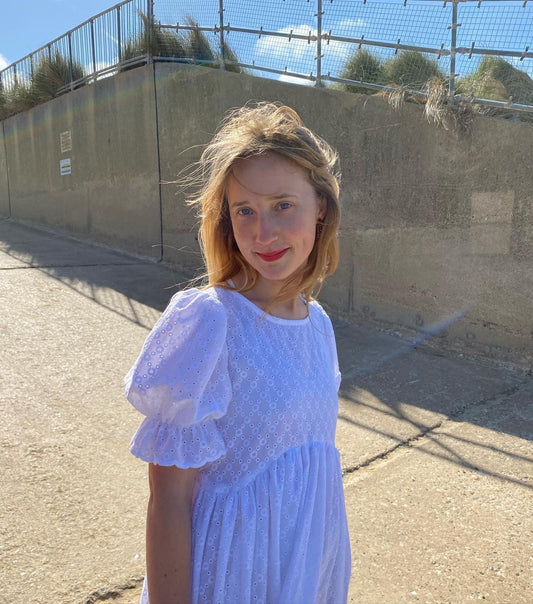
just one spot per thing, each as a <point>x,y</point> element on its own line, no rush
<point>437,449</point>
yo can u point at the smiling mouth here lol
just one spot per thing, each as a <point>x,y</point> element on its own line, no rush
<point>271,256</point>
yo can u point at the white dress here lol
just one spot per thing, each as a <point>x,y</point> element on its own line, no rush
<point>251,399</point>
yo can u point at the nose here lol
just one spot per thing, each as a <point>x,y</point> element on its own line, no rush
<point>266,228</point>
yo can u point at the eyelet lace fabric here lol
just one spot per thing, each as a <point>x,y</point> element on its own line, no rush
<point>251,400</point>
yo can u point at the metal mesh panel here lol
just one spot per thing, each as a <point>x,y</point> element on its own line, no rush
<point>496,26</point>
<point>172,12</point>
<point>179,39</point>
<point>285,37</point>
<point>386,32</point>
<point>481,50</point>
<point>423,23</point>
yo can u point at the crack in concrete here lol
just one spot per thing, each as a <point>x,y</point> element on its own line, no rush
<point>415,439</point>
<point>491,399</point>
<point>386,454</point>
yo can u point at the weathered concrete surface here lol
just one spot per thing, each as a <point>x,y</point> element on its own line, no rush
<point>112,193</point>
<point>436,449</point>
<point>4,185</point>
<point>437,230</point>
<point>449,519</point>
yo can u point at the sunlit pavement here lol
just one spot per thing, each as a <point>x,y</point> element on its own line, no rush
<point>436,447</point>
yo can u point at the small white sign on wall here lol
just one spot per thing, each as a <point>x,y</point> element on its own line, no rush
<point>65,140</point>
<point>65,167</point>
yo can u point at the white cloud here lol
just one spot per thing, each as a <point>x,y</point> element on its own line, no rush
<point>271,46</point>
<point>297,55</point>
<point>3,62</point>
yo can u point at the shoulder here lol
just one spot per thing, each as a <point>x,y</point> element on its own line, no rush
<point>192,314</point>
<point>193,326</point>
<point>196,304</point>
<point>318,313</point>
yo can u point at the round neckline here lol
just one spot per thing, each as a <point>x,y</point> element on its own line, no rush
<point>260,312</point>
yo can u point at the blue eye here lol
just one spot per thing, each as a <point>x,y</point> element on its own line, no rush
<point>244,212</point>
<point>285,205</point>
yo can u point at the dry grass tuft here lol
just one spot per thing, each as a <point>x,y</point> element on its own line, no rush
<point>395,97</point>
<point>436,108</point>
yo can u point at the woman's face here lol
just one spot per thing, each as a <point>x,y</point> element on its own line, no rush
<point>274,210</point>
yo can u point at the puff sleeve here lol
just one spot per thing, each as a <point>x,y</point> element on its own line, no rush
<point>180,382</point>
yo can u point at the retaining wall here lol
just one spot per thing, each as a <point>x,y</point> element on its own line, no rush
<point>437,230</point>
<point>112,194</point>
<point>4,186</point>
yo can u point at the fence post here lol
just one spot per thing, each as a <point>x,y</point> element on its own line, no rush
<point>149,33</point>
<point>222,45</point>
<point>119,41</point>
<point>318,83</point>
<point>93,46</point>
<point>70,59</point>
<point>453,49</point>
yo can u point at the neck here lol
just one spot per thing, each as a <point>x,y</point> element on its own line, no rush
<point>264,292</point>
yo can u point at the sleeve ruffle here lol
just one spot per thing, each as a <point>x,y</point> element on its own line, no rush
<point>167,444</point>
<point>180,382</point>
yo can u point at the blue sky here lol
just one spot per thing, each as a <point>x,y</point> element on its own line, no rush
<point>26,25</point>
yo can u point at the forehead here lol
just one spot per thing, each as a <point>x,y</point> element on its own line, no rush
<point>268,175</point>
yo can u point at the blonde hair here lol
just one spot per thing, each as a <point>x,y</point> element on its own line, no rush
<point>266,128</point>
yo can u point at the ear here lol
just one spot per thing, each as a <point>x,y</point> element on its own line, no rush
<point>322,208</point>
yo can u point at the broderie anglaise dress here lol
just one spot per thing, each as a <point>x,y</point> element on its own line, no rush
<point>251,400</point>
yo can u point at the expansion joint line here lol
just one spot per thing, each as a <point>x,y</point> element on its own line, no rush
<point>409,442</point>
<point>415,440</point>
<point>89,265</point>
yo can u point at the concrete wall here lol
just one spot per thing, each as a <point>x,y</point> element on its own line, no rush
<point>112,194</point>
<point>437,228</point>
<point>4,186</point>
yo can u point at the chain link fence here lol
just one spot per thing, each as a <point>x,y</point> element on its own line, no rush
<point>475,51</point>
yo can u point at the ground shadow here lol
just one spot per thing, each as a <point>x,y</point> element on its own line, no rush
<point>394,370</point>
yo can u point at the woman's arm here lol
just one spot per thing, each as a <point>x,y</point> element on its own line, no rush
<point>168,534</point>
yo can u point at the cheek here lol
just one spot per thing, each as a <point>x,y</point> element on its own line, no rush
<point>235,229</point>
<point>306,229</point>
<point>239,235</point>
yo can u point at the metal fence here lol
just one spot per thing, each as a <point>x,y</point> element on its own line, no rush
<point>478,49</point>
<point>93,49</point>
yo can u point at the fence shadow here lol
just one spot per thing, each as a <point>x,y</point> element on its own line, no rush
<point>385,377</point>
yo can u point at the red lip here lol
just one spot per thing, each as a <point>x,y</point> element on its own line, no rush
<point>271,256</point>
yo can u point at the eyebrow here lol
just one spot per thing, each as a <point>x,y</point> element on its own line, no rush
<point>238,204</point>
<point>283,196</point>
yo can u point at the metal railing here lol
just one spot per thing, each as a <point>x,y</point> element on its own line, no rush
<point>406,39</point>
<point>481,49</point>
<point>90,51</point>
